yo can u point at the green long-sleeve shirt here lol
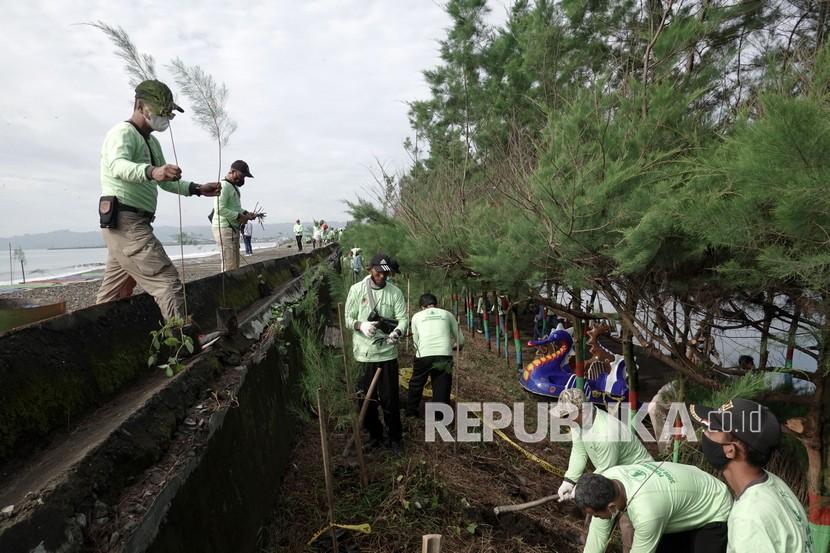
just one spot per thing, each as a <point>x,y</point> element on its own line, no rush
<point>768,518</point>
<point>227,206</point>
<point>125,157</point>
<point>663,498</point>
<point>435,332</point>
<point>607,443</point>
<point>390,304</point>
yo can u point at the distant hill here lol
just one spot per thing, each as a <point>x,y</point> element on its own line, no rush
<point>167,234</point>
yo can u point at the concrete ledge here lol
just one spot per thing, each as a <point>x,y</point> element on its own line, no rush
<point>132,477</point>
<point>54,371</point>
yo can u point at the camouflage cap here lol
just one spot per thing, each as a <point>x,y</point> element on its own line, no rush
<point>569,401</point>
<point>158,95</point>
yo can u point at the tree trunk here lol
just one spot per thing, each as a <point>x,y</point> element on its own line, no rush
<point>818,451</point>
<point>763,358</point>
<point>628,354</point>
<point>579,336</point>
<point>791,336</point>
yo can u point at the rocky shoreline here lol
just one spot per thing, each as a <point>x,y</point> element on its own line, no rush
<point>82,293</point>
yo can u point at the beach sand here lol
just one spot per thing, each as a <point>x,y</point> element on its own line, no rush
<point>79,291</point>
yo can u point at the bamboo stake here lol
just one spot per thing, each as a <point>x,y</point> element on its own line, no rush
<point>431,543</point>
<point>498,322</point>
<point>358,439</point>
<point>486,323</point>
<point>471,314</point>
<point>327,469</point>
<point>456,379</point>
<point>364,408</point>
<point>517,342</point>
<point>678,432</point>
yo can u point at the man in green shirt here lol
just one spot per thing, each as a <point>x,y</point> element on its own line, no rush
<point>673,507</point>
<point>435,334</point>
<point>298,235</point>
<point>601,438</point>
<point>376,313</point>
<point>739,439</point>
<point>132,171</point>
<point>228,214</point>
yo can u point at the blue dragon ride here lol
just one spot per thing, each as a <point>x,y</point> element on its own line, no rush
<point>549,374</point>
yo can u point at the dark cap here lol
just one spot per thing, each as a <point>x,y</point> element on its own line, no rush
<point>749,421</point>
<point>381,262</point>
<point>158,95</point>
<point>242,167</point>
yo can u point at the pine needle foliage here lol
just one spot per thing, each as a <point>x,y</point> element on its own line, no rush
<point>140,67</point>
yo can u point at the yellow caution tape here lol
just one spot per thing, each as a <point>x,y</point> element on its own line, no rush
<point>406,375</point>
<point>530,455</point>
<point>364,528</point>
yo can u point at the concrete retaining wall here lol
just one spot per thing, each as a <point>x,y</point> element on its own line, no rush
<point>54,371</point>
<point>191,463</point>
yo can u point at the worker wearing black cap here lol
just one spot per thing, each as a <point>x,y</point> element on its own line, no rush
<point>739,439</point>
<point>132,170</point>
<point>228,215</point>
<point>376,313</point>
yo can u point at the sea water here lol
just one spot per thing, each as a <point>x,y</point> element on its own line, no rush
<point>45,265</point>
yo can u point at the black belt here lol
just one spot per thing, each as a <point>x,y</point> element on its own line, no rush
<point>140,212</point>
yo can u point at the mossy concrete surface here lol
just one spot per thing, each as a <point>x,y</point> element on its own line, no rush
<point>110,489</point>
<point>53,372</point>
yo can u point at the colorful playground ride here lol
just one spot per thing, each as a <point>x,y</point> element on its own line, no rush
<point>550,373</point>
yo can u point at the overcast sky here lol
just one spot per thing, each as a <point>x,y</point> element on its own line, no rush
<point>318,89</point>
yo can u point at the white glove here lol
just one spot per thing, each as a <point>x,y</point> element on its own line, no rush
<point>566,491</point>
<point>368,329</point>
<point>394,337</point>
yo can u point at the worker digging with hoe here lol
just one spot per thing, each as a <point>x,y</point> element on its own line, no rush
<point>602,439</point>
<point>739,439</point>
<point>376,313</point>
<point>132,170</point>
<point>673,508</point>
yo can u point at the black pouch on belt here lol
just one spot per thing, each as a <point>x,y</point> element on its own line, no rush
<point>108,211</point>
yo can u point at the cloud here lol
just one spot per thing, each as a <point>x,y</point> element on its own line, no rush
<point>318,90</point>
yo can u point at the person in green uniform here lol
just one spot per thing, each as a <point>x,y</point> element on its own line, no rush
<point>602,439</point>
<point>132,170</point>
<point>299,229</point>
<point>376,313</point>
<point>673,508</point>
<point>228,215</point>
<point>739,439</point>
<point>435,334</point>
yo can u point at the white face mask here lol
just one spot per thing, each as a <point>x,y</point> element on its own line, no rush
<point>158,123</point>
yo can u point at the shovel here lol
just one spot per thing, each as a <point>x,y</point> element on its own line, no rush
<point>522,506</point>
